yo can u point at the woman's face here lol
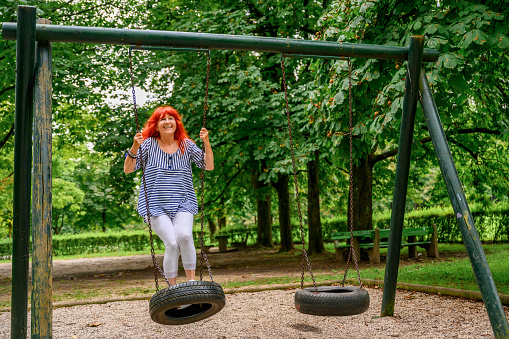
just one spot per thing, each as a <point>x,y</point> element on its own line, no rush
<point>167,125</point>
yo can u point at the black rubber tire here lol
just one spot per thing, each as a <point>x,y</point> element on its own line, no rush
<point>332,300</point>
<point>200,300</point>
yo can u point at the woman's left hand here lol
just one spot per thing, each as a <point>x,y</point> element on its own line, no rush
<point>204,135</point>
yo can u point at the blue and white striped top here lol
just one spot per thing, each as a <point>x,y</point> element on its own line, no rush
<point>169,179</point>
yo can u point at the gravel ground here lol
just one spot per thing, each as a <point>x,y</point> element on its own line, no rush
<point>271,314</point>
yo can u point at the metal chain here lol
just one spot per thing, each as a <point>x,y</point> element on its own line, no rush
<point>152,250</point>
<point>351,252</point>
<point>205,108</point>
<point>305,258</point>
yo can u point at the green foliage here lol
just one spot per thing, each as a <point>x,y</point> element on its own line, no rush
<point>93,120</point>
<point>246,102</point>
<point>238,232</point>
<point>7,81</point>
<point>469,84</point>
<point>67,195</point>
<point>102,242</point>
<point>66,200</point>
<point>492,224</point>
<point>85,77</point>
<point>93,243</point>
<point>339,224</point>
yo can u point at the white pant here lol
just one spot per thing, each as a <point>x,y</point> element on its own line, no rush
<point>177,236</point>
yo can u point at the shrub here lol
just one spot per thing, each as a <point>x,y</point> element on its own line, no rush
<point>94,243</point>
<point>492,226</point>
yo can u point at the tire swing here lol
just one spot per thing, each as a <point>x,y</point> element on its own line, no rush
<point>190,301</point>
<point>327,300</point>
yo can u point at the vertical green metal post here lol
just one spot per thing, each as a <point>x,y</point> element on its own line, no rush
<point>463,216</point>
<point>25,54</point>
<point>415,51</point>
<point>42,292</point>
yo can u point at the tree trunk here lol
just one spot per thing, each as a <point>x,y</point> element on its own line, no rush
<point>221,219</point>
<point>212,227</point>
<point>221,222</point>
<point>362,196</point>
<point>314,222</point>
<point>285,226</point>
<point>263,211</point>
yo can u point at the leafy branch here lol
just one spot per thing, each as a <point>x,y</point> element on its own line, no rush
<point>7,137</point>
<point>393,152</point>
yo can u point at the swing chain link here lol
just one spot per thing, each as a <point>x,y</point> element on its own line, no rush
<point>305,259</point>
<point>351,252</point>
<point>205,108</point>
<point>152,250</point>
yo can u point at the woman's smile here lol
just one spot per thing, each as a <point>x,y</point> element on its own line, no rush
<point>167,124</point>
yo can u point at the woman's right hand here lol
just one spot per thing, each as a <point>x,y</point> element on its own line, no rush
<point>138,140</point>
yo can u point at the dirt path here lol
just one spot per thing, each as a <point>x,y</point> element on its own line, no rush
<point>96,279</point>
<point>244,262</point>
<point>100,278</point>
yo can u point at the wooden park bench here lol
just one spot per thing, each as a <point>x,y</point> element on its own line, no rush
<point>372,240</point>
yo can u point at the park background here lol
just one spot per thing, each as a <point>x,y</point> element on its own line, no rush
<point>251,186</point>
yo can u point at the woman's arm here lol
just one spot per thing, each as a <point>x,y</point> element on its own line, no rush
<point>130,162</point>
<point>209,156</point>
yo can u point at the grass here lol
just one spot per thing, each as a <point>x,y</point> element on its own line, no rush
<point>87,294</point>
<point>453,273</point>
<point>458,273</point>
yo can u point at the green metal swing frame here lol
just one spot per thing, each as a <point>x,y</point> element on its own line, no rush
<point>33,107</point>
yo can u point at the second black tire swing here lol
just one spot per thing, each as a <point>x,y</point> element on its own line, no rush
<point>193,300</point>
<point>328,300</point>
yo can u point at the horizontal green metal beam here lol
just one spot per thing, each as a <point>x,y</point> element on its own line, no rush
<point>117,36</point>
<point>169,49</point>
<point>305,56</point>
<point>201,50</point>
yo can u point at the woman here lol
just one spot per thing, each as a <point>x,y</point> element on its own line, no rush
<point>167,154</point>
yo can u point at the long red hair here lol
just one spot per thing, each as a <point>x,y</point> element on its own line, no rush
<point>150,129</point>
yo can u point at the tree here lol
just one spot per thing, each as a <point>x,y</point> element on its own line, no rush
<point>285,226</point>
<point>246,96</point>
<point>314,220</point>
<point>83,75</point>
<point>246,103</point>
<point>472,40</point>
<point>67,199</point>
<point>7,81</point>
<point>263,208</point>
